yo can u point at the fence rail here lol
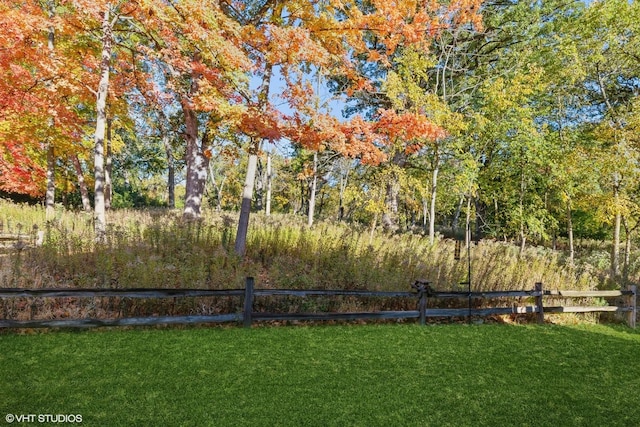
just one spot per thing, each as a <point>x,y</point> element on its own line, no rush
<point>422,292</point>
<point>20,240</point>
<point>125,293</point>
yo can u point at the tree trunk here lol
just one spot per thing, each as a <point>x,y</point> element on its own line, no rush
<point>217,188</point>
<point>373,227</point>
<point>260,185</point>
<point>425,214</point>
<point>344,180</point>
<point>390,215</point>
<point>268,203</point>
<point>219,194</point>
<point>323,195</point>
<point>245,208</point>
<point>341,199</point>
<point>197,164</point>
<point>171,173</point>
<point>432,212</point>
<point>84,191</point>
<point>615,250</point>
<point>101,121</point>
<point>570,232</point>
<point>108,187</point>
<point>467,233</point>
<point>523,235</point>
<point>247,192</point>
<point>481,214</point>
<point>456,216</point>
<point>627,251</point>
<point>50,195</point>
<point>51,182</point>
<point>496,217</point>
<point>615,247</point>
<point>312,195</point>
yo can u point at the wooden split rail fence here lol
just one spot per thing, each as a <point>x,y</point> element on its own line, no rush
<point>422,291</point>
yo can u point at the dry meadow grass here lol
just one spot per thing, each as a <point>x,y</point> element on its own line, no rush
<point>155,249</point>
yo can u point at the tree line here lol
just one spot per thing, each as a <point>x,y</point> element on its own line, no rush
<point>515,120</point>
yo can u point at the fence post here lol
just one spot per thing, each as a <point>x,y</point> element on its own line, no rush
<point>422,305</point>
<point>423,289</point>
<point>632,302</point>
<point>540,311</point>
<point>248,302</point>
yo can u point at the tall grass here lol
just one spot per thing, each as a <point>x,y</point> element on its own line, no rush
<point>155,248</point>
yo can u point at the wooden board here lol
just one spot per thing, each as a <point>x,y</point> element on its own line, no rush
<point>586,294</point>
<point>414,314</point>
<point>125,293</point>
<point>326,292</point>
<point>129,321</point>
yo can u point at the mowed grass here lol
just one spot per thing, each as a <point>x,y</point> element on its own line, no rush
<point>347,375</point>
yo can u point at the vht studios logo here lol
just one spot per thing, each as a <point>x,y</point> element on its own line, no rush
<point>43,418</point>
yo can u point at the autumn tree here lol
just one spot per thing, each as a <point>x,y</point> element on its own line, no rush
<point>400,93</point>
<point>195,48</point>
<point>38,94</point>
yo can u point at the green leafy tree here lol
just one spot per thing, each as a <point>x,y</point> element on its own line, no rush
<point>609,44</point>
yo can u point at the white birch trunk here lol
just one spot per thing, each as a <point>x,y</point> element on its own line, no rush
<point>627,251</point>
<point>570,232</point>
<point>615,247</point>
<point>245,209</point>
<point>197,165</point>
<point>100,218</point>
<point>51,182</point>
<point>247,193</point>
<point>108,188</point>
<point>84,191</point>
<point>314,186</point>
<point>50,195</point>
<point>268,203</point>
<point>344,176</point>
<point>432,207</point>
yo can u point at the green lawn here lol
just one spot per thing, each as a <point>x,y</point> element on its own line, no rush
<point>376,375</point>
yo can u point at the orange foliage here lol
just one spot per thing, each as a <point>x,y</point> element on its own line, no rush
<point>330,42</point>
<point>407,126</point>
<point>39,92</point>
<point>203,52</point>
<point>323,131</point>
<point>18,173</point>
<point>360,141</point>
<point>262,124</point>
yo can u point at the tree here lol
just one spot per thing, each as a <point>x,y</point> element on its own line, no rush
<point>609,47</point>
<point>399,68</point>
<point>198,50</point>
<point>108,22</point>
<point>38,94</point>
